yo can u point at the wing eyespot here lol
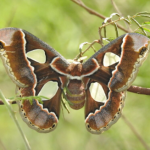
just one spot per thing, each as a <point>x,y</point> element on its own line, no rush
<point>53,126</point>
<point>37,55</point>
<point>1,46</point>
<point>88,126</point>
<point>142,51</point>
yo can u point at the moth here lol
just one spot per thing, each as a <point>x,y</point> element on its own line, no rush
<point>30,77</point>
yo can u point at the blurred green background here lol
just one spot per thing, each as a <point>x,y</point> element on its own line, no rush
<point>64,25</point>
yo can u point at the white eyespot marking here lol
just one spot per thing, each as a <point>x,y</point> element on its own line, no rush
<point>49,89</point>
<point>110,58</point>
<point>37,55</point>
<point>97,92</point>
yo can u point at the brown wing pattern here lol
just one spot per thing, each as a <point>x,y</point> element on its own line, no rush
<point>30,76</point>
<point>132,48</point>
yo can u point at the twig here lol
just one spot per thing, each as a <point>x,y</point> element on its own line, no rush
<point>139,90</point>
<point>81,53</point>
<point>11,102</point>
<point>118,11</point>
<point>133,89</point>
<point>136,133</point>
<point>139,26</point>
<point>12,113</point>
<point>116,8</point>
<point>91,11</point>
<point>2,146</point>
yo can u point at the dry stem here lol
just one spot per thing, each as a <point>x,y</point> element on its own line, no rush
<point>93,12</point>
<point>136,133</point>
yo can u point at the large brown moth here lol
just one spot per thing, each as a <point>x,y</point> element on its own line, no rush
<point>30,77</point>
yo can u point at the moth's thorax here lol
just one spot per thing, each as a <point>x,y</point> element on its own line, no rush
<point>75,87</point>
<point>74,69</point>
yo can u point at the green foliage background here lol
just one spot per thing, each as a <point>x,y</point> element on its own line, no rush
<point>64,25</point>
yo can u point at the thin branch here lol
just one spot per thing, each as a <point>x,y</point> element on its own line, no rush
<point>2,146</point>
<point>118,11</point>
<point>133,89</point>
<point>139,90</point>
<point>81,53</point>
<point>116,8</point>
<point>11,102</point>
<point>91,11</point>
<point>136,133</point>
<point>12,113</point>
<point>139,26</point>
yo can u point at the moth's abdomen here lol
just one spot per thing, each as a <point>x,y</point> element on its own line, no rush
<point>75,94</point>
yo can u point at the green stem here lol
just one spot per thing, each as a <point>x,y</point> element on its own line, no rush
<point>12,113</point>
